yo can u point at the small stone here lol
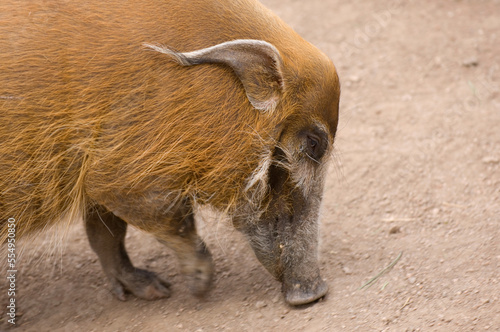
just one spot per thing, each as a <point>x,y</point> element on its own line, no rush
<point>346,270</point>
<point>491,160</point>
<point>260,304</point>
<point>412,280</point>
<point>354,78</point>
<point>471,62</point>
<point>395,230</point>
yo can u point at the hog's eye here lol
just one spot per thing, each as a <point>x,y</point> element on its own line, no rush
<point>316,143</point>
<point>312,142</point>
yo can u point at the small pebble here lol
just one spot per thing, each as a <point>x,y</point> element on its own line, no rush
<point>471,62</point>
<point>395,230</point>
<point>260,304</point>
<point>354,78</point>
<point>491,160</point>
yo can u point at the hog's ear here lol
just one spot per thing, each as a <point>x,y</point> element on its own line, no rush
<point>257,64</point>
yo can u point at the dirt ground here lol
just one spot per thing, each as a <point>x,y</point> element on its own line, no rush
<point>416,171</point>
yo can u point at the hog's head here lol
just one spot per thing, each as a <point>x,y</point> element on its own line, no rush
<point>305,91</point>
<point>285,237</point>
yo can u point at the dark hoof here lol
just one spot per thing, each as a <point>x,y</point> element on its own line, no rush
<point>200,280</point>
<point>143,284</point>
<point>199,273</point>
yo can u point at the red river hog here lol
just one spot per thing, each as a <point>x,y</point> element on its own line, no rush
<point>137,112</point>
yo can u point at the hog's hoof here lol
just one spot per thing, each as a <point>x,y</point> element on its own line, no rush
<point>200,280</point>
<point>143,284</point>
<point>303,293</point>
<point>199,271</point>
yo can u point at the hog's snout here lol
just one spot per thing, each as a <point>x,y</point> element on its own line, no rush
<point>295,265</point>
<point>303,292</point>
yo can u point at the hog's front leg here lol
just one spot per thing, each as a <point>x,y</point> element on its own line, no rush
<point>174,226</point>
<point>178,232</point>
<point>106,233</point>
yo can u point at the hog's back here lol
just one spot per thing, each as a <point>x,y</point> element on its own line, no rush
<point>86,112</point>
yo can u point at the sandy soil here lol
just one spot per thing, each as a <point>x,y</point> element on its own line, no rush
<point>417,172</point>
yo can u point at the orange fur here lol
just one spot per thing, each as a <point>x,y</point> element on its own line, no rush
<point>88,115</point>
